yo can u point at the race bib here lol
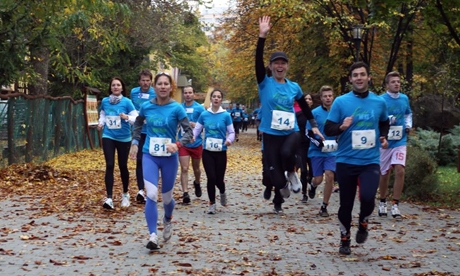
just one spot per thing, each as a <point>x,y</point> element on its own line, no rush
<point>282,120</point>
<point>144,95</point>
<point>329,146</point>
<point>237,114</point>
<point>214,144</point>
<point>395,133</point>
<point>158,146</point>
<point>189,110</point>
<point>113,122</point>
<point>362,139</point>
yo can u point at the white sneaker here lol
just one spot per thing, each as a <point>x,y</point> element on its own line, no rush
<point>108,204</point>
<point>125,200</point>
<point>167,230</point>
<point>140,197</point>
<point>382,209</point>
<point>395,211</point>
<point>212,209</point>
<point>296,185</point>
<point>153,242</point>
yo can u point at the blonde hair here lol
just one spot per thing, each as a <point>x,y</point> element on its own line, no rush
<point>325,88</point>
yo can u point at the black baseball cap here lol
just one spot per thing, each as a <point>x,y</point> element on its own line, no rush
<point>278,55</point>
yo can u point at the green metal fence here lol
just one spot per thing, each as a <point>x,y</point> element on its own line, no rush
<point>36,129</point>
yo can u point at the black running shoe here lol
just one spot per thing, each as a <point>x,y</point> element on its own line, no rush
<point>345,245</point>
<point>185,198</point>
<point>267,193</point>
<point>361,235</point>
<point>304,198</point>
<point>278,209</point>
<point>323,212</point>
<point>312,191</point>
<point>197,189</point>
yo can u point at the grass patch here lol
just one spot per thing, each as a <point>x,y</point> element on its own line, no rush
<point>449,186</point>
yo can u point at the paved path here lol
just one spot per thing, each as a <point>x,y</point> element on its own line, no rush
<point>245,238</point>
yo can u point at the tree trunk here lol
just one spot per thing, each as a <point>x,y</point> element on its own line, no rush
<point>40,62</point>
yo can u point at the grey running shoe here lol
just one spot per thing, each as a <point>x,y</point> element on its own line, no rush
<point>223,199</point>
<point>296,185</point>
<point>167,229</point>
<point>212,209</point>
<point>285,192</point>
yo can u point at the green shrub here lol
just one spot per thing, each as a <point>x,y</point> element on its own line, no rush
<point>421,182</point>
<point>428,140</point>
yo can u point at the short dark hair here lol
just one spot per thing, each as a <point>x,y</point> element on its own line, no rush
<point>145,72</point>
<point>390,75</point>
<point>123,86</point>
<point>187,86</point>
<point>357,65</point>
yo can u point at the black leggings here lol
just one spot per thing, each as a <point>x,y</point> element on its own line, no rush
<point>109,146</point>
<point>304,164</point>
<point>139,173</point>
<point>278,157</point>
<point>350,177</point>
<point>215,164</point>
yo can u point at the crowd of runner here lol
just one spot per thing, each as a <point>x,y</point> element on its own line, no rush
<point>355,139</point>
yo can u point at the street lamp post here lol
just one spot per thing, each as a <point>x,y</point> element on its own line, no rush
<point>356,33</point>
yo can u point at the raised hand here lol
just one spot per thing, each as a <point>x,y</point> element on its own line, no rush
<point>264,25</point>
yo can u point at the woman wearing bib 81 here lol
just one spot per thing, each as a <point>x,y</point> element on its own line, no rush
<point>162,115</point>
<point>278,124</point>
<point>217,123</point>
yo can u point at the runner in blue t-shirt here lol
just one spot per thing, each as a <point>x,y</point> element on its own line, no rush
<point>140,95</point>
<point>116,116</point>
<point>278,125</point>
<point>193,150</point>
<point>237,116</point>
<point>163,116</point>
<point>360,119</point>
<point>323,157</point>
<point>218,135</point>
<point>394,156</point>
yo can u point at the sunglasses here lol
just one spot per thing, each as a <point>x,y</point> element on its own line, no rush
<point>163,73</point>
